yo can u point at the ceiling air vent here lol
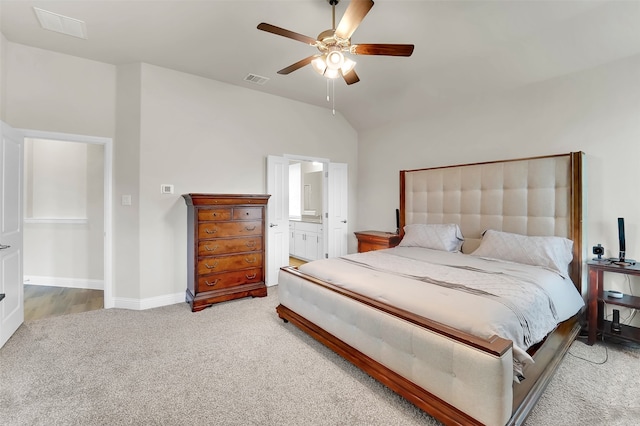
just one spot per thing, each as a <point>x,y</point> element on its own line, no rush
<point>61,24</point>
<point>256,79</point>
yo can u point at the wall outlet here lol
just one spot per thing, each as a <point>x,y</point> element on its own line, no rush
<point>166,189</point>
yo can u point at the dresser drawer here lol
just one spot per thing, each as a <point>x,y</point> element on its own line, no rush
<point>210,265</point>
<point>247,213</point>
<point>229,245</point>
<point>228,229</point>
<point>229,279</point>
<point>214,214</point>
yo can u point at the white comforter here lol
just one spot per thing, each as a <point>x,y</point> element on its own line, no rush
<point>483,297</point>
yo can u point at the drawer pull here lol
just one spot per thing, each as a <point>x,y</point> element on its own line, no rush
<point>214,248</point>
<point>250,277</point>
<point>213,283</point>
<point>215,264</point>
<point>251,243</point>
<point>250,228</point>
<point>211,231</point>
<point>250,260</point>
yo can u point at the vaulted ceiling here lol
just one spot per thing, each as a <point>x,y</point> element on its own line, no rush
<point>462,48</point>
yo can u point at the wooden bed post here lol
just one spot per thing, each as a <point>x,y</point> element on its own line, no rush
<point>577,220</point>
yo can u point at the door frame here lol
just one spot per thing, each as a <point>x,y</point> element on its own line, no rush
<point>107,143</point>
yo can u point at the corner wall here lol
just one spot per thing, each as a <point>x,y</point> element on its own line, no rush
<point>204,136</point>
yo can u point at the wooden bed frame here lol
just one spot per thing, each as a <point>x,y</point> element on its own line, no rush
<point>547,355</point>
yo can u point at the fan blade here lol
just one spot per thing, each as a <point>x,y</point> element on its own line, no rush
<point>350,77</point>
<point>301,63</point>
<point>352,17</point>
<point>382,49</point>
<point>286,33</point>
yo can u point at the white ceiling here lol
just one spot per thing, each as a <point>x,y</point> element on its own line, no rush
<point>462,48</point>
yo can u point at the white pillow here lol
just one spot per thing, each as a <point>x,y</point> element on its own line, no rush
<point>554,253</point>
<point>446,237</point>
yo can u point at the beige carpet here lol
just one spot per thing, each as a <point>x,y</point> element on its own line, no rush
<point>238,364</point>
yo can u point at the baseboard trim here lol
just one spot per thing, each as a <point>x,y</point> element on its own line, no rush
<point>64,282</point>
<point>148,303</point>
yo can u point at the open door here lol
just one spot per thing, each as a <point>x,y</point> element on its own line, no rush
<point>337,210</point>
<point>277,217</point>
<point>11,286</point>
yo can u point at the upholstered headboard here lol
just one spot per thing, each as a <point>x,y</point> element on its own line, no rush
<point>539,196</point>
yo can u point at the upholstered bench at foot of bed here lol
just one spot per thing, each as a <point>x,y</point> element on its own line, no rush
<point>476,382</point>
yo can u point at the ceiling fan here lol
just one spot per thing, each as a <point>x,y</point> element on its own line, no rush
<point>332,44</point>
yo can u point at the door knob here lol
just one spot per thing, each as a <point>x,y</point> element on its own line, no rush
<point>343,221</point>
<point>271,225</point>
<point>3,247</point>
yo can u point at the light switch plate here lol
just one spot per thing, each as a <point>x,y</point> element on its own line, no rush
<point>165,188</point>
<point>126,200</point>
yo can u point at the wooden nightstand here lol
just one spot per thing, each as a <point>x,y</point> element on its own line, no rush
<point>376,240</point>
<point>597,298</point>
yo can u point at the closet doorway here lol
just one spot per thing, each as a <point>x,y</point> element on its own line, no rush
<point>67,220</point>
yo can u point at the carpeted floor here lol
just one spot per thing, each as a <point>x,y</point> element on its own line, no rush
<point>237,363</point>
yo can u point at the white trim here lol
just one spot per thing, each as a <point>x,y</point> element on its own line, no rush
<point>108,198</point>
<point>57,220</point>
<point>293,157</point>
<point>64,282</point>
<point>149,303</point>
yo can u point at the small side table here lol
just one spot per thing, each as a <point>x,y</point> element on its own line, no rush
<point>376,240</point>
<point>597,298</point>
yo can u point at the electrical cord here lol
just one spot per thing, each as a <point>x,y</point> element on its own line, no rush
<point>606,354</point>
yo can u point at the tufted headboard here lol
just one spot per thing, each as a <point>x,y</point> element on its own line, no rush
<point>539,196</point>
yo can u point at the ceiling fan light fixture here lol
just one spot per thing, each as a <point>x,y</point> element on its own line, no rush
<point>335,60</point>
<point>319,65</point>
<point>335,43</point>
<point>347,66</point>
<point>330,73</point>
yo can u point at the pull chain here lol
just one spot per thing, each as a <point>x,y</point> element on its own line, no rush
<point>328,90</point>
<point>333,97</point>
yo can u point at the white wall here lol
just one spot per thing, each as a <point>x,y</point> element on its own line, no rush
<point>595,111</point>
<point>126,175</point>
<point>52,92</point>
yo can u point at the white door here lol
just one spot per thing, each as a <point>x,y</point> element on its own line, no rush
<point>11,162</point>
<point>277,217</point>
<point>337,244</point>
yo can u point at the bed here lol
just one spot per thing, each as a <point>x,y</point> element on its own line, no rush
<point>390,314</point>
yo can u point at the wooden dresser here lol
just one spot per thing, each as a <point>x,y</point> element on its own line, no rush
<point>226,247</point>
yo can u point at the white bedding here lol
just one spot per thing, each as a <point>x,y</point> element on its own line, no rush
<point>390,276</point>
